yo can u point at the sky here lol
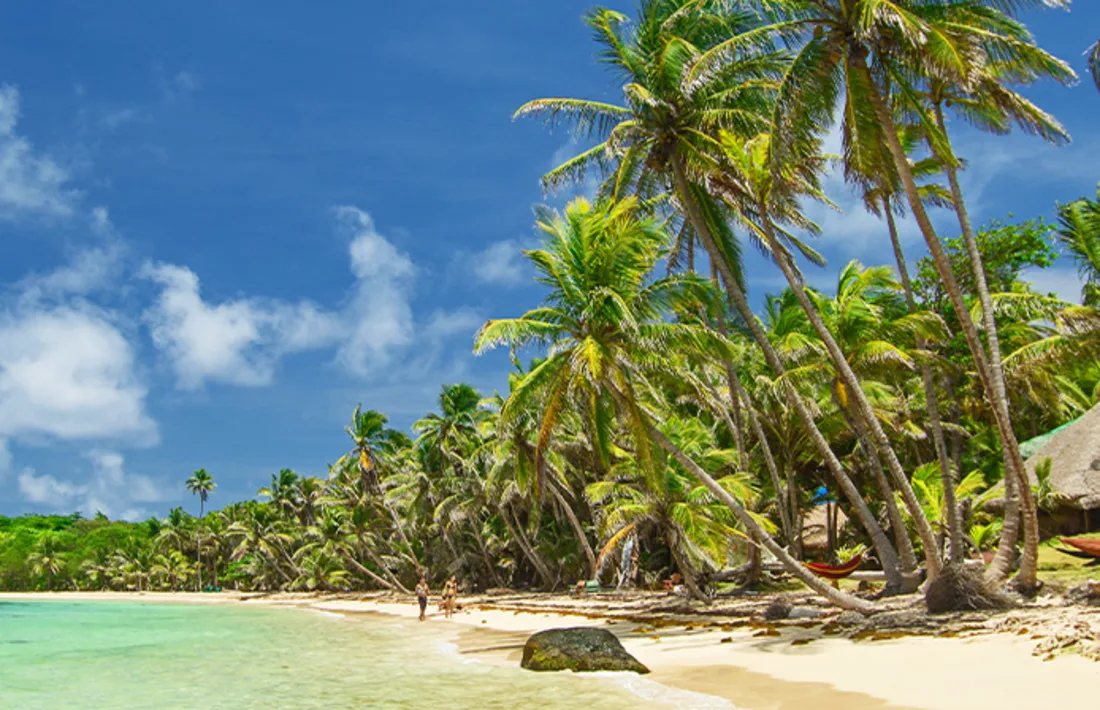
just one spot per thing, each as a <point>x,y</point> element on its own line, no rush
<point>223,225</point>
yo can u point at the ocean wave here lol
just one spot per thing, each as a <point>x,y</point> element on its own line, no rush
<point>652,691</point>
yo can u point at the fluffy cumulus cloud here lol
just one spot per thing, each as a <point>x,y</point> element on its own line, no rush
<point>30,183</point>
<point>237,342</point>
<point>241,341</point>
<point>69,372</point>
<point>108,489</point>
<point>379,315</point>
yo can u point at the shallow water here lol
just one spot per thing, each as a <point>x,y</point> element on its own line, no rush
<point>127,656</point>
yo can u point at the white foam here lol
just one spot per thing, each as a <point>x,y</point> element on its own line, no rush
<point>652,691</point>
<point>330,614</point>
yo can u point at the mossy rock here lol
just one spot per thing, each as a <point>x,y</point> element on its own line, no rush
<point>579,648</point>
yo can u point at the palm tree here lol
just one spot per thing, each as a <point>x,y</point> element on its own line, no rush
<point>47,559</point>
<point>202,484</point>
<point>283,491</point>
<point>605,324</point>
<point>375,443</point>
<point>1079,233</point>
<point>695,527</point>
<point>853,48</point>
<point>689,73</point>
<point>765,194</point>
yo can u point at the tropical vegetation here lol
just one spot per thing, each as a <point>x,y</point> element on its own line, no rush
<point>663,424</point>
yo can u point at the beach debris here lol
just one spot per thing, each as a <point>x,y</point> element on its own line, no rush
<point>726,639</point>
<point>1088,592</point>
<point>777,610</point>
<point>580,648</point>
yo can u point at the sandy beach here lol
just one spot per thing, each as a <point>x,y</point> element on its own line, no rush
<point>795,669</point>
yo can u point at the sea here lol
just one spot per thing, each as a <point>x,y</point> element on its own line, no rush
<point>61,655</point>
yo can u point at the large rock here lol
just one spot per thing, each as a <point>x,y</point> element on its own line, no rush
<point>578,649</point>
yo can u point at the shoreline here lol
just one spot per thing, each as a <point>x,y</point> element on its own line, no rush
<point>770,668</point>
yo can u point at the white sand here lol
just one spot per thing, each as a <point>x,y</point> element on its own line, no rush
<point>996,672</point>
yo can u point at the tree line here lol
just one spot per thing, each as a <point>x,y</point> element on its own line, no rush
<point>664,425</point>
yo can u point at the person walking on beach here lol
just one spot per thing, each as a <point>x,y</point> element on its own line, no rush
<point>450,596</point>
<point>422,596</point>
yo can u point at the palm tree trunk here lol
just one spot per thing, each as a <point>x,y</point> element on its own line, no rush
<point>947,475</point>
<point>521,539</point>
<point>367,571</point>
<point>901,533</point>
<point>393,582</point>
<point>787,516</point>
<point>841,599</point>
<point>198,540</point>
<point>487,559</point>
<point>885,550</point>
<point>738,395</point>
<point>683,565</point>
<point>578,530</point>
<point>1029,510</point>
<point>856,393</point>
<point>1011,449</point>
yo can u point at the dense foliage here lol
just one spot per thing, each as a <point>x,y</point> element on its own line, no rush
<point>663,425</point>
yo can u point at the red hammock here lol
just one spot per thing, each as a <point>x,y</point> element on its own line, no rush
<point>1089,546</point>
<point>835,572</point>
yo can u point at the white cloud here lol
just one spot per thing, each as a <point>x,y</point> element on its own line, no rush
<point>379,315</point>
<point>68,372</point>
<point>499,264</point>
<point>90,269</point>
<point>237,342</point>
<point>120,117</point>
<point>30,184</point>
<point>110,489</point>
<point>448,324</point>
<point>241,341</point>
<point>5,457</point>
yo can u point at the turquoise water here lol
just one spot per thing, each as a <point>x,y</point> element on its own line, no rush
<point>125,656</point>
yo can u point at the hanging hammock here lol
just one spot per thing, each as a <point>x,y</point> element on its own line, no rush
<point>835,572</point>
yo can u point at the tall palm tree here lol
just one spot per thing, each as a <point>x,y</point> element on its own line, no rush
<point>861,50</point>
<point>375,445</point>
<point>765,194</point>
<point>605,324</point>
<point>690,70</point>
<point>201,484</point>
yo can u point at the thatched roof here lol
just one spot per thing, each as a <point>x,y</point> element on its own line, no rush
<point>1074,453</point>
<point>814,534</point>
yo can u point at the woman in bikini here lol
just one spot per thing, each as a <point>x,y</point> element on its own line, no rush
<point>450,596</point>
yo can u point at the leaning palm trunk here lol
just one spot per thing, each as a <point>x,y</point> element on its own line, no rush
<point>897,524</point>
<point>682,564</point>
<point>787,515</point>
<point>1013,460</point>
<point>578,529</point>
<point>841,599</point>
<point>521,539</point>
<point>855,390</point>
<point>887,555</point>
<point>954,521</point>
<point>738,396</point>
<point>1029,511</point>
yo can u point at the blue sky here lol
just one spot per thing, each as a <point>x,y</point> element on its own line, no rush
<point>224,224</point>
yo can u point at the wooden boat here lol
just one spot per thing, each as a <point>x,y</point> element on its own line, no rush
<point>835,572</point>
<point>1088,547</point>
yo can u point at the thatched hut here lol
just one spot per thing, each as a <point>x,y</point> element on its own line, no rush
<point>1074,453</point>
<point>821,525</point>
